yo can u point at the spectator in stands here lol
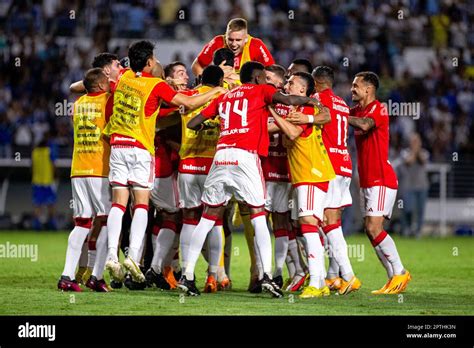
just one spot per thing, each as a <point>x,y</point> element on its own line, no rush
<point>414,184</point>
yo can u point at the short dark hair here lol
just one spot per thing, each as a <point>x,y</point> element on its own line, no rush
<point>277,70</point>
<point>369,77</point>
<point>308,79</point>
<point>212,75</point>
<point>168,70</point>
<point>324,72</point>
<point>92,78</point>
<point>223,54</point>
<point>247,70</point>
<point>306,63</point>
<point>138,54</point>
<point>103,59</point>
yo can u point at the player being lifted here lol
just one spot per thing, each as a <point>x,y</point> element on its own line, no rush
<point>338,196</point>
<point>378,181</point>
<point>245,47</point>
<point>137,99</point>
<point>310,171</point>
<point>90,186</point>
<point>236,168</point>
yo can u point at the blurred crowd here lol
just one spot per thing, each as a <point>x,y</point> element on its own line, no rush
<point>46,45</point>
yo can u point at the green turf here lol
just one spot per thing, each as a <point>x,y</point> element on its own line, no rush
<point>442,269</point>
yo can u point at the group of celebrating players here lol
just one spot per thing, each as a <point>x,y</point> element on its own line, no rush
<point>263,143</point>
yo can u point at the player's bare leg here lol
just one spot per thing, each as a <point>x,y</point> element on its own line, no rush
<point>339,263</point>
<point>387,253</point>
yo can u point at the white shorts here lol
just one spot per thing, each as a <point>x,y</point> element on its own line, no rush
<point>191,187</point>
<point>131,166</point>
<point>377,201</point>
<point>292,204</point>
<point>164,195</point>
<point>91,196</point>
<point>339,193</point>
<point>278,194</point>
<point>310,201</point>
<point>234,172</point>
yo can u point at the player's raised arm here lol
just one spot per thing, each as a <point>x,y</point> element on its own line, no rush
<point>290,130</point>
<point>364,123</point>
<point>322,117</point>
<point>193,102</point>
<point>289,99</point>
<point>273,128</point>
<point>77,87</point>
<point>196,67</point>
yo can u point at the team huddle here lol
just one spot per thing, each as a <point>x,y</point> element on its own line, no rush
<point>264,144</point>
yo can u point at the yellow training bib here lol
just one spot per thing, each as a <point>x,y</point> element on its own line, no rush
<point>91,152</point>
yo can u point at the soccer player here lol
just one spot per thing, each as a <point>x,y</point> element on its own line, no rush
<point>109,63</point>
<point>275,172</point>
<point>111,66</point>
<point>236,168</point>
<point>90,186</point>
<point>176,76</point>
<point>378,181</point>
<point>224,58</point>
<point>43,158</point>
<point>338,196</point>
<point>131,129</point>
<point>196,152</point>
<point>299,65</point>
<point>245,47</point>
<point>165,199</point>
<point>310,171</point>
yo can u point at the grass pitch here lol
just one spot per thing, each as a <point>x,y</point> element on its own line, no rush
<point>442,270</point>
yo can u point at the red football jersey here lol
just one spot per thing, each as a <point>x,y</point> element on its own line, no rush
<point>163,158</point>
<point>372,148</point>
<point>243,116</point>
<point>257,50</point>
<point>275,166</point>
<point>335,132</point>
